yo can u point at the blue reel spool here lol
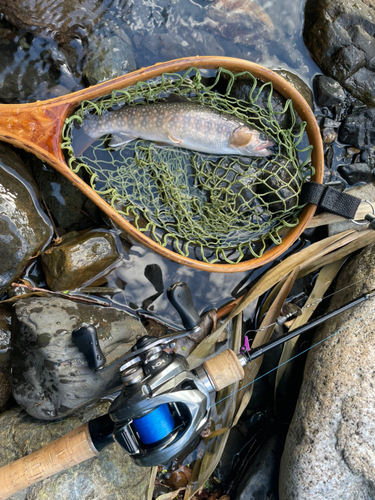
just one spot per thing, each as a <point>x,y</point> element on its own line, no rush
<point>155,426</point>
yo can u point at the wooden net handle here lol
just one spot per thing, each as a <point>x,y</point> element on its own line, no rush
<point>71,449</point>
<point>224,369</point>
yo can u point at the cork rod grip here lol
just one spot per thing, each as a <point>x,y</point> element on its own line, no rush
<point>224,369</point>
<point>71,449</point>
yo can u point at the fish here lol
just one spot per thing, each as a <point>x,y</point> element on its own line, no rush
<point>182,123</point>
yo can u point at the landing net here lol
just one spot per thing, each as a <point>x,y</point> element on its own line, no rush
<point>210,208</point>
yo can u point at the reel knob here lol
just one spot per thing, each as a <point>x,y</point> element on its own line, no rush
<point>86,339</point>
<point>179,296</point>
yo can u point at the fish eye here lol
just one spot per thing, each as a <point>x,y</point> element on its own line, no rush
<point>263,136</point>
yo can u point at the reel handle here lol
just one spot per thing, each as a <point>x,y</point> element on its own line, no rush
<point>179,296</point>
<point>71,449</point>
<point>86,339</point>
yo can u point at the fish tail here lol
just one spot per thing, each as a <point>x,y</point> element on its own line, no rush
<point>81,141</point>
<point>85,136</point>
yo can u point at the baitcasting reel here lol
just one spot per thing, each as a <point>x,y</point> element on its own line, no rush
<point>163,406</point>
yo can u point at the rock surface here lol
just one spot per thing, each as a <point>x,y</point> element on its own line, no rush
<point>24,227</point>
<point>113,57</point>
<point>243,89</point>
<point>330,447</point>
<point>358,128</point>
<point>5,376</point>
<point>63,20</point>
<point>50,376</point>
<point>327,91</point>
<point>260,481</point>
<point>357,172</point>
<point>340,37</point>
<point>70,209</point>
<point>79,258</point>
<point>109,476</point>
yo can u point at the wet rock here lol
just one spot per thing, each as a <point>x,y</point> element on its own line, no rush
<point>70,209</point>
<point>31,66</point>
<point>62,20</point>
<point>356,172</point>
<point>179,478</point>
<point>24,228</point>
<point>106,476</point>
<point>279,188</point>
<point>112,57</point>
<point>21,56</point>
<point>242,89</point>
<point>50,376</point>
<point>298,84</point>
<point>260,482</point>
<point>5,376</point>
<point>348,61</point>
<point>328,91</point>
<point>328,159</point>
<point>329,135</point>
<point>362,85</point>
<point>330,446</point>
<point>79,258</point>
<point>340,36</point>
<point>241,21</point>
<point>358,128</point>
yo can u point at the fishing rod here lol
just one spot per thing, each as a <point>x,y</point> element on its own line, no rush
<point>163,406</point>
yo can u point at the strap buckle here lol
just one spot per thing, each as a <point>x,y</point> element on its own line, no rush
<point>368,218</point>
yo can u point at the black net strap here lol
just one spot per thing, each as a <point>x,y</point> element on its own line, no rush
<point>330,199</point>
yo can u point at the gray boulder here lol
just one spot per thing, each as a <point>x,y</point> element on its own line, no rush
<point>24,227</point>
<point>330,448</point>
<point>340,37</point>
<point>111,475</point>
<point>50,376</point>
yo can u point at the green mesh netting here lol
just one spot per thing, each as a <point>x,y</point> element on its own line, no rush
<point>205,207</point>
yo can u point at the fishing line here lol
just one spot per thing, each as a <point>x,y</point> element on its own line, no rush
<point>315,302</point>
<point>294,357</point>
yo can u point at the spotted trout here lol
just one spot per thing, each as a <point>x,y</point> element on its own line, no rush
<point>183,124</point>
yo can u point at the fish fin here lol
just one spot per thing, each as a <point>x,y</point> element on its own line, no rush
<point>118,140</point>
<point>163,144</point>
<point>240,137</point>
<point>81,141</point>
<point>177,98</point>
<point>174,139</point>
